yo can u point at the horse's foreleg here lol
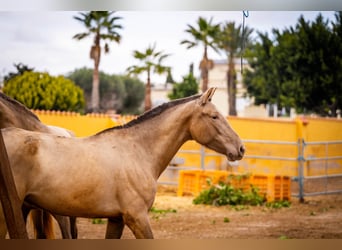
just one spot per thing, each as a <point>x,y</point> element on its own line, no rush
<point>139,224</point>
<point>115,227</point>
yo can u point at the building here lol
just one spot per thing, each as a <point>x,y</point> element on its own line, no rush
<point>218,79</point>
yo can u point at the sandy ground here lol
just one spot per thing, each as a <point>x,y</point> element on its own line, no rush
<point>316,218</point>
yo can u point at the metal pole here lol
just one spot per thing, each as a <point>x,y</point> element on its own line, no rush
<point>326,167</point>
<point>202,157</point>
<point>9,197</point>
<point>301,169</point>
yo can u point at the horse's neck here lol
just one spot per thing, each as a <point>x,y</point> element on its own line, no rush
<point>162,136</point>
<point>11,119</point>
<point>31,124</point>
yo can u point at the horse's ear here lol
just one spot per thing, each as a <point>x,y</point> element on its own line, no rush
<point>206,97</point>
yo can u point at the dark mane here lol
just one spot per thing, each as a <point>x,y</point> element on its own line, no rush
<point>153,112</point>
<point>18,106</point>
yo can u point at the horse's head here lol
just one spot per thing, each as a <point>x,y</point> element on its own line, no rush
<point>211,129</point>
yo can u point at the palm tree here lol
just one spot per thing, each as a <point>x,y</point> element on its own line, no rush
<point>231,40</point>
<point>205,34</point>
<point>151,61</point>
<point>103,25</point>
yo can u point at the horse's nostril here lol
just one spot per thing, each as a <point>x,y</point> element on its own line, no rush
<point>242,150</point>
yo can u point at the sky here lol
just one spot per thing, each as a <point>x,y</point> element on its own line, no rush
<point>43,39</point>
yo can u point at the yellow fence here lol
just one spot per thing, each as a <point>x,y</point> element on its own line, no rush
<point>81,125</point>
<point>312,133</point>
<point>271,144</point>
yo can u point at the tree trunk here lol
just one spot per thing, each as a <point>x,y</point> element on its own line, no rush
<point>148,101</point>
<point>231,87</point>
<point>204,74</point>
<point>95,93</point>
<point>205,65</point>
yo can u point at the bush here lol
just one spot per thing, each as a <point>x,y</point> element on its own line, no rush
<point>41,91</point>
<point>188,87</point>
<point>225,194</point>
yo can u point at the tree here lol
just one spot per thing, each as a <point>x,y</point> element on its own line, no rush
<point>188,87</point>
<point>169,78</point>
<point>205,34</point>
<point>134,95</point>
<point>336,63</point>
<point>151,61</point>
<point>116,91</point>
<point>41,91</point>
<point>231,40</point>
<point>103,25</point>
<point>301,68</point>
<point>21,68</point>
<point>260,79</point>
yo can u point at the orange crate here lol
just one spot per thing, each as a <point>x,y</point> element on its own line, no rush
<point>188,182</point>
<point>239,181</point>
<point>261,182</point>
<point>194,181</point>
<point>280,188</point>
<point>272,187</point>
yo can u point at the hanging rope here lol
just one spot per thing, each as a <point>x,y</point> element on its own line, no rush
<point>245,14</point>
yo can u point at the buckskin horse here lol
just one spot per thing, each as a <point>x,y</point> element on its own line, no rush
<point>15,114</point>
<point>113,174</point>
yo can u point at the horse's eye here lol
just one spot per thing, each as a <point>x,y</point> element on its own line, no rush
<point>214,117</point>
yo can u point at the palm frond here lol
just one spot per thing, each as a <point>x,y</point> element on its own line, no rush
<point>205,33</point>
<point>189,43</point>
<point>139,55</point>
<point>232,38</point>
<point>162,57</point>
<point>136,70</point>
<point>101,24</point>
<point>150,60</point>
<point>80,36</point>
<point>159,69</point>
<point>111,37</point>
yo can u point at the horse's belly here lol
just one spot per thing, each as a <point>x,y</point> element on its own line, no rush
<point>71,204</point>
<point>88,194</point>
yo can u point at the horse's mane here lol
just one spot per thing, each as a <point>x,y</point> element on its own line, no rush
<point>153,112</point>
<point>17,106</point>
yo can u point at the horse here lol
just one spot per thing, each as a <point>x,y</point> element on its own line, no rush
<point>113,174</point>
<point>15,114</point>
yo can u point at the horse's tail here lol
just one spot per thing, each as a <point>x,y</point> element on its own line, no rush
<point>48,225</point>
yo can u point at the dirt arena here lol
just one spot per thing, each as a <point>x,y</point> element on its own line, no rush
<point>175,217</point>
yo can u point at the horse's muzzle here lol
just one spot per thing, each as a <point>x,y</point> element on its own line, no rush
<point>238,156</point>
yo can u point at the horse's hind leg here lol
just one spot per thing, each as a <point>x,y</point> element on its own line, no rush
<point>37,219</point>
<point>115,227</point>
<point>64,225</point>
<point>73,227</point>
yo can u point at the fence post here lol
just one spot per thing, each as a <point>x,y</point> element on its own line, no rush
<point>202,151</point>
<point>11,205</point>
<point>301,159</point>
